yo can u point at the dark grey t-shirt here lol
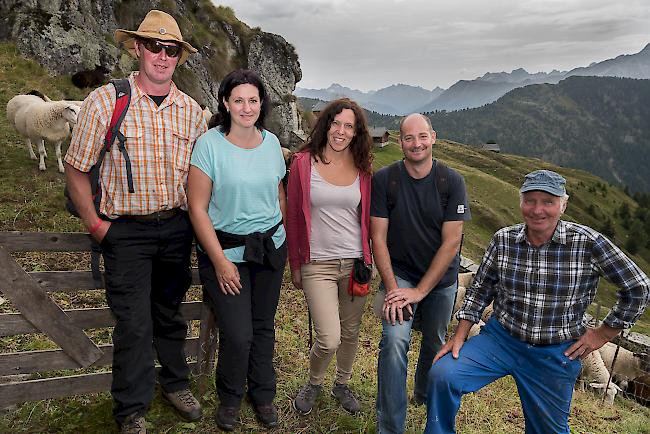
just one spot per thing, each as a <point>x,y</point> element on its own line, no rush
<point>415,224</point>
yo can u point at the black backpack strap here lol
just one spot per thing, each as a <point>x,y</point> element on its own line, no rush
<point>122,101</point>
<point>442,184</point>
<point>392,188</point>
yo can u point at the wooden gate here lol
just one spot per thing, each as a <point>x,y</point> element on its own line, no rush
<point>28,292</point>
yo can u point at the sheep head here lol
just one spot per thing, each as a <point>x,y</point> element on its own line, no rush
<point>70,113</point>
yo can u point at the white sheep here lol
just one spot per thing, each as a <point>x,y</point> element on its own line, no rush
<point>460,297</point>
<point>473,331</point>
<point>207,114</point>
<point>596,375</point>
<point>627,366</point>
<point>465,279</point>
<point>39,120</point>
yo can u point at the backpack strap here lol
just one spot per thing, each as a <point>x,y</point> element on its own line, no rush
<point>442,184</point>
<point>392,188</point>
<point>122,101</point>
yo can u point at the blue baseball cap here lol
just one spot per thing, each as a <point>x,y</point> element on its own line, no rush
<point>544,180</point>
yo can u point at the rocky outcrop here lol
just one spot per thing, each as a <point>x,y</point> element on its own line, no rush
<point>67,36</point>
<point>264,49</point>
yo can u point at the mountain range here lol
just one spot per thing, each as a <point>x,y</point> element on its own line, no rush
<point>394,99</point>
<point>401,99</point>
<point>599,124</point>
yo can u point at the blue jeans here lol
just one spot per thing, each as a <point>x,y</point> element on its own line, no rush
<point>435,312</point>
<point>544,375</point>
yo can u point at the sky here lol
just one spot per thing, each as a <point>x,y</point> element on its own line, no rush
<point>371,44</point>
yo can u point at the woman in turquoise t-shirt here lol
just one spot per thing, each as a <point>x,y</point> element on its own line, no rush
<point>236,204</point>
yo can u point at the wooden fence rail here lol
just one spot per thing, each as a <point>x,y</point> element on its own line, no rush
<point>29,292</point>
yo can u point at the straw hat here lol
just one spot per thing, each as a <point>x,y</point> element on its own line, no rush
<point>156,25</point>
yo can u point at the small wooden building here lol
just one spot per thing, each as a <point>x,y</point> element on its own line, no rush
<point>318,107</point>
<point>379,136</point>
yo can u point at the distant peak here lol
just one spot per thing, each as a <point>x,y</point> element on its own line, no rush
<point>646,49</point>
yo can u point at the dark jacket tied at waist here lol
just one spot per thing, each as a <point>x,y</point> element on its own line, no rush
<point>256,246</point>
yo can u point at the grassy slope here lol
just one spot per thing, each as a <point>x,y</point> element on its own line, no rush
<point>493,182</point>
<point>30,200</point>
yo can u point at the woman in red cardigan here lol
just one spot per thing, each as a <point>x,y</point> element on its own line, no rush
<point>328,218</point>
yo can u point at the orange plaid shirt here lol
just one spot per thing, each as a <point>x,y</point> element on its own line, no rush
<point>159,141</point>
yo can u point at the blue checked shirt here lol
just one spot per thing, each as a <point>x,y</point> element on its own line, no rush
<point>541,293</point>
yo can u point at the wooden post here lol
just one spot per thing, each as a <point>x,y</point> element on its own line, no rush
<point>37,307</point>
<point>206,348</point>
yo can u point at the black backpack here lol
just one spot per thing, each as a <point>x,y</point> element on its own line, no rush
<point>442,184</point>
<point>122,101</point>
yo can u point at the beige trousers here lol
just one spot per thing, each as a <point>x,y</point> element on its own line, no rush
<point>336,317</point>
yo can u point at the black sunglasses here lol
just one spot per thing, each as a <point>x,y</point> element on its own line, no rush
<point>156,47</point>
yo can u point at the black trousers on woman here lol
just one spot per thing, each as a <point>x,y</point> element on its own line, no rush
<point>246,330</point>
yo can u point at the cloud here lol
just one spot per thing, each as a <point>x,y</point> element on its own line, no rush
<point>369,44</point>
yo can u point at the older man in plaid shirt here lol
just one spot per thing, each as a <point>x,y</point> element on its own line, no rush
<point>142,224</point>
<point>542,275</point>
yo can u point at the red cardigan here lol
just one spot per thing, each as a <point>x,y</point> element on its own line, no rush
<point>299,211</point>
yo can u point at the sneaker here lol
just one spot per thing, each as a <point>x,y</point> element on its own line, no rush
<point>267,414</point>
<point>226,417</point>
<point>306,398</point>
<point>185,404</point>
<point>345,397</point>
<point>134,424</point>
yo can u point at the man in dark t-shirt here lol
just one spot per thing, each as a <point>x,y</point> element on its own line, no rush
<point>415,245</point>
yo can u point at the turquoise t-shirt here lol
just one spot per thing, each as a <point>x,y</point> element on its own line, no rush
<point>244,185</point>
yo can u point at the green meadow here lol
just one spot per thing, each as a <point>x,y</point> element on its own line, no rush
<point>33,201</point>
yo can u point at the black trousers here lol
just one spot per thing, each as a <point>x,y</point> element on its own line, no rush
<point>246,330</point>
<point>147,275</point>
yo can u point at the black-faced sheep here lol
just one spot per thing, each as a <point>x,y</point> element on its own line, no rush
<point>39,94</point>
<point>90,77</point>
<point>39,120</point>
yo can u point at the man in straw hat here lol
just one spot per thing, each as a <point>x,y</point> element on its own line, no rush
<point>142,224</point>
<point>542,275</point>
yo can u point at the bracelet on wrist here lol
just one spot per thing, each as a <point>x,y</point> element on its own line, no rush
<point>94,227</point>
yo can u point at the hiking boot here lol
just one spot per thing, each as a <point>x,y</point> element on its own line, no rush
<point>345,397</point>
<point>134,424</point>
<point>306,398</point>
<point>185,404</point>
<point>267,414</point>
<point>226,417</point>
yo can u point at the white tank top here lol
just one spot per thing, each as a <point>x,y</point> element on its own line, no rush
<point>335,223</point>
